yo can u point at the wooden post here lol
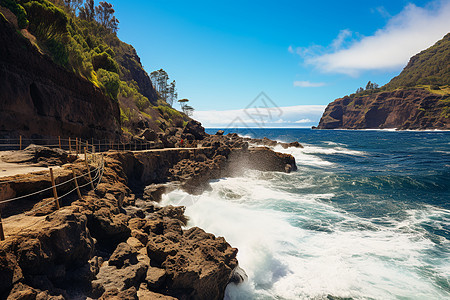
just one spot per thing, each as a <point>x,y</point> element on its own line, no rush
<point>2,234</point>
<point>76,145</point>
<point>76,185</point>
<point>135,145</point>
<point>85,155</point>
<point>89,174</point>
<point>55,194</point>
<point>70,146</point>
<point>59,141</point>
<point>20,143</point>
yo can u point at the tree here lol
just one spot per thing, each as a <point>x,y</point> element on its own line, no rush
<point>171,93</point>
<point>359,90</point>
<point>73,5</point>
<point>87,12</point>
<point>104,14</point>
<point>167,92</point>
<point>188,110</point>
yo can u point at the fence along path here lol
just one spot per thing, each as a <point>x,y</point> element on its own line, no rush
<point>78,147</point>
<point>92,151</point>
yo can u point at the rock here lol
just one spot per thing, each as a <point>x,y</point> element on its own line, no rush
<point>10,272</point>
<point>403,109</point>
<point>124,254</point>
<point>155,277</point>
<point>149,135</point>
<point>135,243</point>
<point>295,144</point>
<point>41,98</point>
<point>144,293</point>
<point>264,159</point>
<point>238,275</point>
<point>220,132</point>
<point>112,278</point>
<point>115,294</point>
<point>22,291</point>
<point>154,192</point>
<point>201,262</point>
<point>40,155</point>
<point>196,129</point>
<point>108,228</point>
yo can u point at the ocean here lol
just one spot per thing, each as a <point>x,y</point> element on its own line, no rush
<point>366,216</point>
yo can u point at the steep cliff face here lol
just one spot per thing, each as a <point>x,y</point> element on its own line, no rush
<point>132,70</point>
<point>402,109</point>
<point>39,97</point>
<point>418,98</point>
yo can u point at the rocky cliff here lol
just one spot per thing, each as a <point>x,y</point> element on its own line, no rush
<point>418,98</point>
<point>40,98</point>
<point>401,109</point>
<point>116,243</point>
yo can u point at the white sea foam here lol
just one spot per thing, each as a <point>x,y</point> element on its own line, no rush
<point>297,246</point>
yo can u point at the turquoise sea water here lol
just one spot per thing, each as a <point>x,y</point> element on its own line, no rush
<point>366,216</point>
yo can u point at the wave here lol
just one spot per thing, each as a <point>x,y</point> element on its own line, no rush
<point>302,246</point>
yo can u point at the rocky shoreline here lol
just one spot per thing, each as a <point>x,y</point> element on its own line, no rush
<point>119,243</point>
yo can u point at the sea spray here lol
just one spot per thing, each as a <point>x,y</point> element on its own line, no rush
<point>330,229</point>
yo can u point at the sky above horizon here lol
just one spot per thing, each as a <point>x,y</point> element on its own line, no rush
<point>300,54</point>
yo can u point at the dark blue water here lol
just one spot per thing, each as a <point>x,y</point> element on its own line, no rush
<point>367,216</point>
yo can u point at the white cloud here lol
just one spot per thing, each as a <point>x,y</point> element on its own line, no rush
<point>411,31</point>
<point>303,121</point>
<point>291,49</point>
<point>290,116</point>
<point>308,84</point>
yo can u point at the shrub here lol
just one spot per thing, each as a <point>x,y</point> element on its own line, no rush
<point>110,81</point>
<point>46,20</point>
<point>104,61</point>
<point>18,10</point>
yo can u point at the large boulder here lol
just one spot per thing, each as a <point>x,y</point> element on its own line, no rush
<point>264,159</point>
<point>196,129</point>
<point>197,264</point>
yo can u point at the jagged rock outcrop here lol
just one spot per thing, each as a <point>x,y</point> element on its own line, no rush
<point>112,245</point>
<point>418,98</point>
<point>133,70</point>
<point>401,109</point>
<point>40,98</point>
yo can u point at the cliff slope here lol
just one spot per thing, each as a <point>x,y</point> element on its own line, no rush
<point>39,97</point>
<point>418,98</point>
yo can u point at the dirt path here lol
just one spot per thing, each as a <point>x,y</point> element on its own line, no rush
<point>11,169</point>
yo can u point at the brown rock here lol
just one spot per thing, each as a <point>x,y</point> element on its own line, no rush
<point>144,293</point>
<point>42,98</point>
<point>155,277</point>
<point>112,278</point>
<point>123,255</point>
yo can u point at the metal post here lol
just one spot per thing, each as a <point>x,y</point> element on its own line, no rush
<point>55,194</point>
<point>89,174</point>
<point>76,185</point>
<point>2,234</point>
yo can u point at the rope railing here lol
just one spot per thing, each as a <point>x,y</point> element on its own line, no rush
<point>90,157</point>
<point>76,144</point>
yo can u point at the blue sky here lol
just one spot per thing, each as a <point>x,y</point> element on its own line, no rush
<point>301,54</point>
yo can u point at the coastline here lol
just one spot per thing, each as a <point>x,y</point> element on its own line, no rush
<point>119,234</point>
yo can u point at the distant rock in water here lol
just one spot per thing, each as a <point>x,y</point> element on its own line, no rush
<point>403,109</point>
<point>418,98</point>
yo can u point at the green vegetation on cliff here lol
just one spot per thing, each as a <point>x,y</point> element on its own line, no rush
<point>429,67</point>
<point>82,38</point>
